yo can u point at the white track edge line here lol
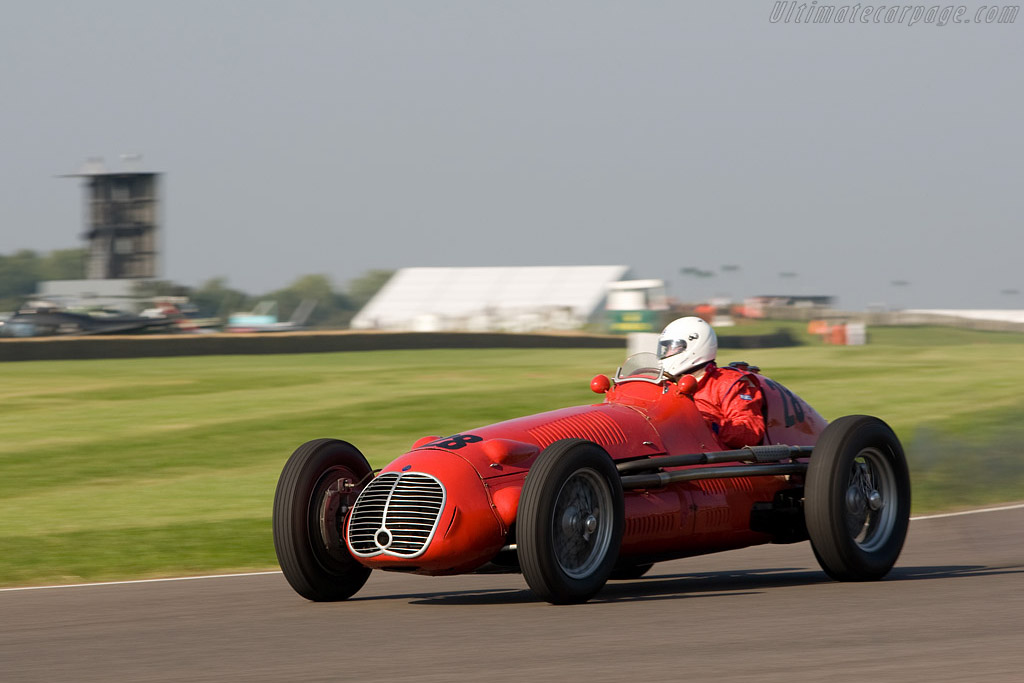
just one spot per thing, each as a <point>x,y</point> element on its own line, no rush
<point>1017,506</point>
<point>267,573</point>
<point>134,581</point>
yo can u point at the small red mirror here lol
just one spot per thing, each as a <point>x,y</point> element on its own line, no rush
<point>600,384</point>
<point>687,384</point>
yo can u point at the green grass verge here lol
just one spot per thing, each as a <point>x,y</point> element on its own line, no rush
<point>148,467</point>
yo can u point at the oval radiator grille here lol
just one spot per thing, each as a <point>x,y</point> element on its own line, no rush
<point>396,514</point>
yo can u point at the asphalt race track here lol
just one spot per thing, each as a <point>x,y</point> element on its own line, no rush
<point>952,610</point>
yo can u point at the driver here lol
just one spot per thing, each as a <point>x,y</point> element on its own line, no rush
<point>728,399</point>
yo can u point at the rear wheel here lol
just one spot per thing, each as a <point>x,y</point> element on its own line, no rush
<point>570,521</point>
<point>317,487</point>
<point>857,499</point>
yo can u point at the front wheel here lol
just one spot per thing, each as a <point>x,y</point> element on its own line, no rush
<point>570,521</point>
<point>857,499</point>
<point>318,485</point>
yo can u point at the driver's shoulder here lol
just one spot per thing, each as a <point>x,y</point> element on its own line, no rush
<point>738,373</point>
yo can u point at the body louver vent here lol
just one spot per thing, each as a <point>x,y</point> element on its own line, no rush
<point>595,427</point>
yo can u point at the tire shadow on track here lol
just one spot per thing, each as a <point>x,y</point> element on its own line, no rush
<point>950,572</point>
<point>653,587</point>
<point>497,596</point>
<point>690,585</point>
<point>702,584</point>
<point>707,584</point>
<point>674,586</point>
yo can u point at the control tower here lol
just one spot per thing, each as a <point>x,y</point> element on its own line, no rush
<point>122,223</point>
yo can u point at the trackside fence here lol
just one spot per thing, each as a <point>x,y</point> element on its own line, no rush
<point>154,346</point>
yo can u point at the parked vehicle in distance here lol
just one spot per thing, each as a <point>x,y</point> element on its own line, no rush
<point>41,319</point>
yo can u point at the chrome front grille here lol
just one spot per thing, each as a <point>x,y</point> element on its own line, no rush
<point>396,514</point>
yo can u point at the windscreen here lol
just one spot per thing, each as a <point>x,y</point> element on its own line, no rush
<point>640,366</point>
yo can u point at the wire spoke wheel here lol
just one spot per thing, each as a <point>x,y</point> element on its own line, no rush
<point>570,521</point>
<point>328,505</point>
<point>581,526</point>
<point>317,486</point>
<point>857,499</point>
<point>870,520</point>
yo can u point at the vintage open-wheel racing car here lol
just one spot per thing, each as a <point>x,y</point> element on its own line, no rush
<point>577,496</point>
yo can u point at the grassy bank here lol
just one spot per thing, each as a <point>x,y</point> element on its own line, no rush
<point>165,466</point>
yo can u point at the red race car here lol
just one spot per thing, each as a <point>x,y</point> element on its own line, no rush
<point>577,496</point>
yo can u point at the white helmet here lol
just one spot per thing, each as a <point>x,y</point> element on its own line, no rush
<point>685,345</point>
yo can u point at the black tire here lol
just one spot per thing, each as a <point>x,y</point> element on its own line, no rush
<point>570,521</point>
<point>630,572</point>
<point>857,499</point>
<point>312,554</point>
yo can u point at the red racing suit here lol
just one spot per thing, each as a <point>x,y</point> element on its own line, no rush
<point>732,404</point>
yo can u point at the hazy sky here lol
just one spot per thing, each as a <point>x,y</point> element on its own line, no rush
<point>335,137</point>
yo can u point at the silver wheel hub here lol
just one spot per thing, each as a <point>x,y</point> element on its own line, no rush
<point>570,521</point>
<point>855,501</point>
<point>870,519</point>
<point>581,537</point>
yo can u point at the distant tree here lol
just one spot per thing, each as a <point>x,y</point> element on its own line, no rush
<point>332,309</point>
<point>364,287</point>
<point>215,298</point>
<point>63,264</point>
<point>312,287</point>
<point>19,274</point>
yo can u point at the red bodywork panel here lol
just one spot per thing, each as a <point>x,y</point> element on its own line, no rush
<point>482,471</point>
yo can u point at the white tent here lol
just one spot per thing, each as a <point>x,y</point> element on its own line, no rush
<point>515,299</point>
